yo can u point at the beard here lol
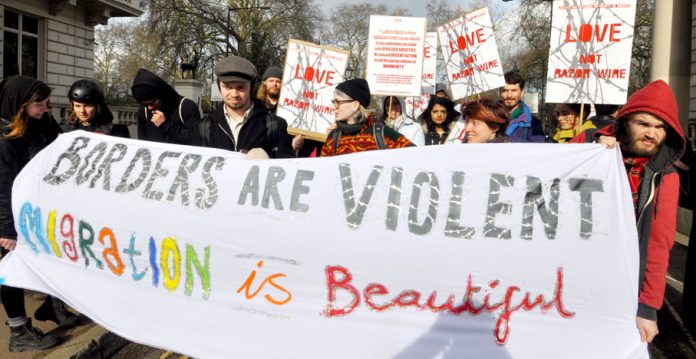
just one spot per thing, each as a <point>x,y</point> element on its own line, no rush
<point>273,92</point>
<point>634,147</point>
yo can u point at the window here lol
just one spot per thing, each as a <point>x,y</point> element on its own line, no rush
<point>21,45</point>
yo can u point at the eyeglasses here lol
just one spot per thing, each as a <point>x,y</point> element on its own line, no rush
<point>336,103</point>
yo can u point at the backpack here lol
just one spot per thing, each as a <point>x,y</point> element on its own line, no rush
<point>377,132</point>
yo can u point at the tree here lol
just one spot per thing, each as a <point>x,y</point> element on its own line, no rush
<point>175,31</point>
<point>349,31</point>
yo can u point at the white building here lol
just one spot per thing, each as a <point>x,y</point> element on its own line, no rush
<point>53,41</point>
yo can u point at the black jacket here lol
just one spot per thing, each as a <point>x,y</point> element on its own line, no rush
<point>101,123</point>
<point>182,115</point>
<point>15,153</point>
<point>215,132</point>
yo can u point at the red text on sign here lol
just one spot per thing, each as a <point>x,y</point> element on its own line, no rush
<point>316,75</point>
<point>597,32</point>
<point>467,40</point>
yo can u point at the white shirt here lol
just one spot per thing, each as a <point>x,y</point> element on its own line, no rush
<point>236,124</point>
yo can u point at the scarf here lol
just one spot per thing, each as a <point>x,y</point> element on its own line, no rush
<point>635,166</point>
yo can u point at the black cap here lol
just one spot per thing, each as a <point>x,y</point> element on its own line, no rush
<point>357,89</point>
<point>235,68</point>
<point>272,71</point>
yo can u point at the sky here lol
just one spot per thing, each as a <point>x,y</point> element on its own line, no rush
<point>416,7</point>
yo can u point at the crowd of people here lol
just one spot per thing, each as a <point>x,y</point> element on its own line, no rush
<point>646,129</point>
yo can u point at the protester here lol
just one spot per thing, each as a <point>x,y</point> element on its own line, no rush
<point>523,126</point>
<point>568,122</point>
<point>485,121</point>
<point>166,116</point>
<point>356,129</point>
<point>243,123</point>
<point>651,140</point>
<point>605,115</point>
<point>269,91</point>
<point>441,90</point>
<point>27,129</point>
<point>440,123</point>
<point>392,116</point>
<point>89,111</point>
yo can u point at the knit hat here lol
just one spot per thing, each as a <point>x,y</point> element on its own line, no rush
<point>144,92</point>
<point>357,89</point>
<point>273,71</point>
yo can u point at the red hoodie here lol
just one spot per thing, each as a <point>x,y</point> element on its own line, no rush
<point>658,193</point>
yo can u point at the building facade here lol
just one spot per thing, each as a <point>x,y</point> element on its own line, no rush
<point>53,41</point>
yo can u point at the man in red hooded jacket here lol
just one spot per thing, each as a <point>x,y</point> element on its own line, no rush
<point>648,132</point>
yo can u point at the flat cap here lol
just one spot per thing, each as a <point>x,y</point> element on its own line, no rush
<point>235,68</point>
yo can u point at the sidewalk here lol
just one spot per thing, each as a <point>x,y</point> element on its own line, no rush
<point>86,340</point>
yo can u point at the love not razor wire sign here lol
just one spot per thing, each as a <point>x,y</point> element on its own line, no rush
<point>412,253</point>
<point>590,53</point>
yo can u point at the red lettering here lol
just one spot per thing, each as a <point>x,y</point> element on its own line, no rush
<point>333,284</point>
<point>588,32</point>
<point>68,247</point>
<point>376,289</point>
<point>614,31</point>
<point>411,298</point>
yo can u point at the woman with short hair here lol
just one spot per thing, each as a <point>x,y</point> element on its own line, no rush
<point>486,121</point>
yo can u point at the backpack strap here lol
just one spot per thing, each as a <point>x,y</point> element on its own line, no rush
<point>272,134</point>
<point>378,133</point>
<point>181,103</point>
<point>204,130</point>
<point>336,139</point>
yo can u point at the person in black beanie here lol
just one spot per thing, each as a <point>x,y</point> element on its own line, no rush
<point>269,91</point>
<point>165,116</point>
<point>356,129</point>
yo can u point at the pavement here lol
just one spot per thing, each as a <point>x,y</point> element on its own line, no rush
<point>90,341</point>
<point>86,340</point>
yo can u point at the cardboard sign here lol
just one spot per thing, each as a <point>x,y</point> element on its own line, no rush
<point>406,253</point>
<point>395,55</point>
<point>429,64</point>
<point>310,75</point>
<point>471,54</point>
<point>590,54</point>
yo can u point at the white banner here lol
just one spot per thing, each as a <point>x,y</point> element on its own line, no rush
<point>590,54</point>
<point>471,54</point>
<point>439,251</point>
<point>310,76</point>
<point>429,64</point>
<point>395,55</point>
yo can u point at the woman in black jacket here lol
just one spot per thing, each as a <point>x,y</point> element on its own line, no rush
<point>27,128</point>
<point>89,111</point>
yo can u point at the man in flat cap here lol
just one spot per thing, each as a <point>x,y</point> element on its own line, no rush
<point>243,123</point>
